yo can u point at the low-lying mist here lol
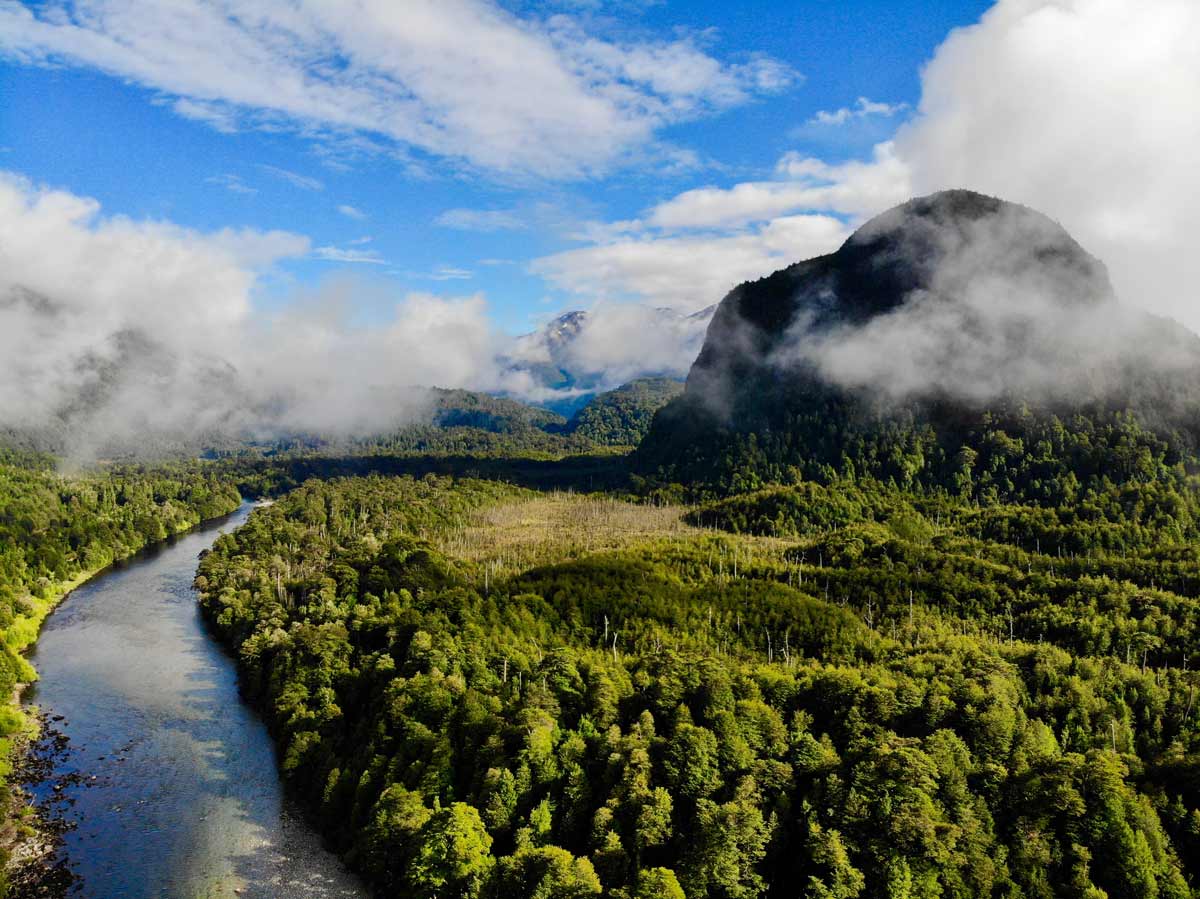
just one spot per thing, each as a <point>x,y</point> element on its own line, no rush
<point>1003,306</point>
<point>121,336</point>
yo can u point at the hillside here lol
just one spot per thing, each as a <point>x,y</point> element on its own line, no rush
<point>952,341</point>
<point>622,417</point>
<point>468,422</point>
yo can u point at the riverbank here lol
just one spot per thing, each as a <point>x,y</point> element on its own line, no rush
<point>30,834</point>
<point>168,782</point>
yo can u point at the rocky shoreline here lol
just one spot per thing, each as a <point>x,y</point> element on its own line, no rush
<point>37,868</point>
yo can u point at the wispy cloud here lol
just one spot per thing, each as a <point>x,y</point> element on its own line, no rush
<point>214,115</point>
<point>484,220</point>
<point>342,254</point>
<point>352,212</point>
<point>546,97</point>
<point>304,182</point>
<point>687,272</point>
<point>450,273</point>
<point>863,108</point>
<point>231,183</point>
<point>802,184</point>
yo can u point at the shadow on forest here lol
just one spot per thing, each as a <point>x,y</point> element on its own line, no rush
<point>274,476</point>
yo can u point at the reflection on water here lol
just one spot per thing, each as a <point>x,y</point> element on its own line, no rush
<point>186,801</point>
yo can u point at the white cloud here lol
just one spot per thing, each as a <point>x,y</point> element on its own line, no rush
<point>623,341</point>
<point>1082,109</point>
<point>232,183</point>
<point>366,378</point>
<point>863,108</point>
<point>689,251</point>
<point>215,116</point>
<point>342,254</point>
<point>464,79</point>
<point>484,220</point>
<point>606,346</point>
<point>450,273</point>
<point>852,188</point>
<point>304,182</point>
<point>352,212</point>
<point>135,331</point>
<point>136,315</point>
<point>688,272</point>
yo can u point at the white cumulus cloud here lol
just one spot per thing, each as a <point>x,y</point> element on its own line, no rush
<point>1078,108</point>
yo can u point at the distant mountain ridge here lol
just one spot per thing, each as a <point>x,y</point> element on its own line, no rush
<point>582,353</point>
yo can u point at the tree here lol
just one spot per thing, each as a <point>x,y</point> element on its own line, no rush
<point>390,840</point>
<point>658,883</point>
<point>691,761</point>
<point>453,855</point>
<point>546,872</point>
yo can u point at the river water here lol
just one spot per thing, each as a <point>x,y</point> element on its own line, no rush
<point>186,801</point>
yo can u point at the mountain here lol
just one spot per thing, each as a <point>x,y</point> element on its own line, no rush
<point>582,353</point>
<point>941,332</point>
<point>466,408</point>
<point>465,422</point>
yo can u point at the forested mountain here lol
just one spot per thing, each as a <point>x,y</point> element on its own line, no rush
<point>465,408</point>
<point>622,417</point>
<point>467,422</point>
<point>952,341</point>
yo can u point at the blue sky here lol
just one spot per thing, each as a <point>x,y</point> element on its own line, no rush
<point>432,216</point>
<point>334,201</point>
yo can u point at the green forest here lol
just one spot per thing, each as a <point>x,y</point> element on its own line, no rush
<point>844,661</point>
<point>838,687</point>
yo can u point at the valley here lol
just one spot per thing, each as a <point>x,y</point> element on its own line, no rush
<point>894,628</point>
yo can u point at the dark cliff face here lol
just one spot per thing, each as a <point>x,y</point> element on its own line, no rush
<point>936,312</point>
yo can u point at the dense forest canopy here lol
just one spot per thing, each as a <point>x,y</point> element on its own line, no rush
<point>888,693</point>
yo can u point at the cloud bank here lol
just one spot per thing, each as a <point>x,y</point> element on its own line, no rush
<point>116,330</point>
<point>120,335</point>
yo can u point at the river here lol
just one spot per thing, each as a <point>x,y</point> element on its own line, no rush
<point>178,793</point>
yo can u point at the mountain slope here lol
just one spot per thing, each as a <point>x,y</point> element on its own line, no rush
<point>943,343</point>
<point>622,417</point>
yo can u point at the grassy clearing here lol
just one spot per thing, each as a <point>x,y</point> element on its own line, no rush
<point>508,539</point>
<point>554,527</point>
